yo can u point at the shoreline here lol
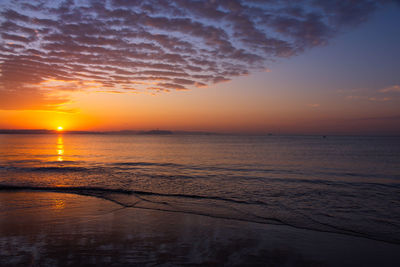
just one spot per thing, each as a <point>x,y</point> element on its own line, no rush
<point>38,224</point>
<point>99,194</point>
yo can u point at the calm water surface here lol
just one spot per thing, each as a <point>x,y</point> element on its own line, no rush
<point>349,185</point>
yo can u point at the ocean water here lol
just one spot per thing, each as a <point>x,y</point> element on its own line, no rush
<point>346,185</point>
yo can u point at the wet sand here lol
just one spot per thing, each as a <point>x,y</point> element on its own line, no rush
<point>42,228</point>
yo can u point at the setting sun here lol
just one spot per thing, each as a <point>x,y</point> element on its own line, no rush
<point>60,128</point>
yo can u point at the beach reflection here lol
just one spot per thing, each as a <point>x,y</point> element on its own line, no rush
<point>92,231</point>
<point>89,230</point>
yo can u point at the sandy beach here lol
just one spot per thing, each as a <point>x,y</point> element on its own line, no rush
<point>42,228</point>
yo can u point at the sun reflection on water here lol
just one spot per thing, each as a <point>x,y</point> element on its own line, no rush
<point>59,205</point>
<point>60,148</point>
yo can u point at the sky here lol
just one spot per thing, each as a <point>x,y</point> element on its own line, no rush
<point>237,66</point>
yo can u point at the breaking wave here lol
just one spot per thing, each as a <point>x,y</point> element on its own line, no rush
<point>212,206</point>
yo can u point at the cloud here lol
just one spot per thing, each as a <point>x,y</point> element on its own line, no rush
<point>368,98</point>
<point>391,89</point>
<point>31,98</point>
<point>154,45</point>
<point>379,99</point>
<point>171,86</point>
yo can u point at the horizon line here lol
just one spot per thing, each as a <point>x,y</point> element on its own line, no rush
<point>188,132</point>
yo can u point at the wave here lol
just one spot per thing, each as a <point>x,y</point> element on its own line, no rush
<point>47,169</point>
<point>76,166</point>
<point>289,171</point>
<point>109,194</point>
<point>148,164</point>
<point>312,172</point>
<point>88,189</point>
<point>298,177</point>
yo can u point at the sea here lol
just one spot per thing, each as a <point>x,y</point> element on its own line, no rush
<point>348,185</point>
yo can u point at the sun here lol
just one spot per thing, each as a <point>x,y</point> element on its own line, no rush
<point>60,128</point>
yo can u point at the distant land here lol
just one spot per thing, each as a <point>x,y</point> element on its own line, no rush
<point>122,132</point>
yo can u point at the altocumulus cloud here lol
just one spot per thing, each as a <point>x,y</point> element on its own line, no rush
<point>51,48</point>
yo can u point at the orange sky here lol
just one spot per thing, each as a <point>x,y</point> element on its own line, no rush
<point>221,108</point>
